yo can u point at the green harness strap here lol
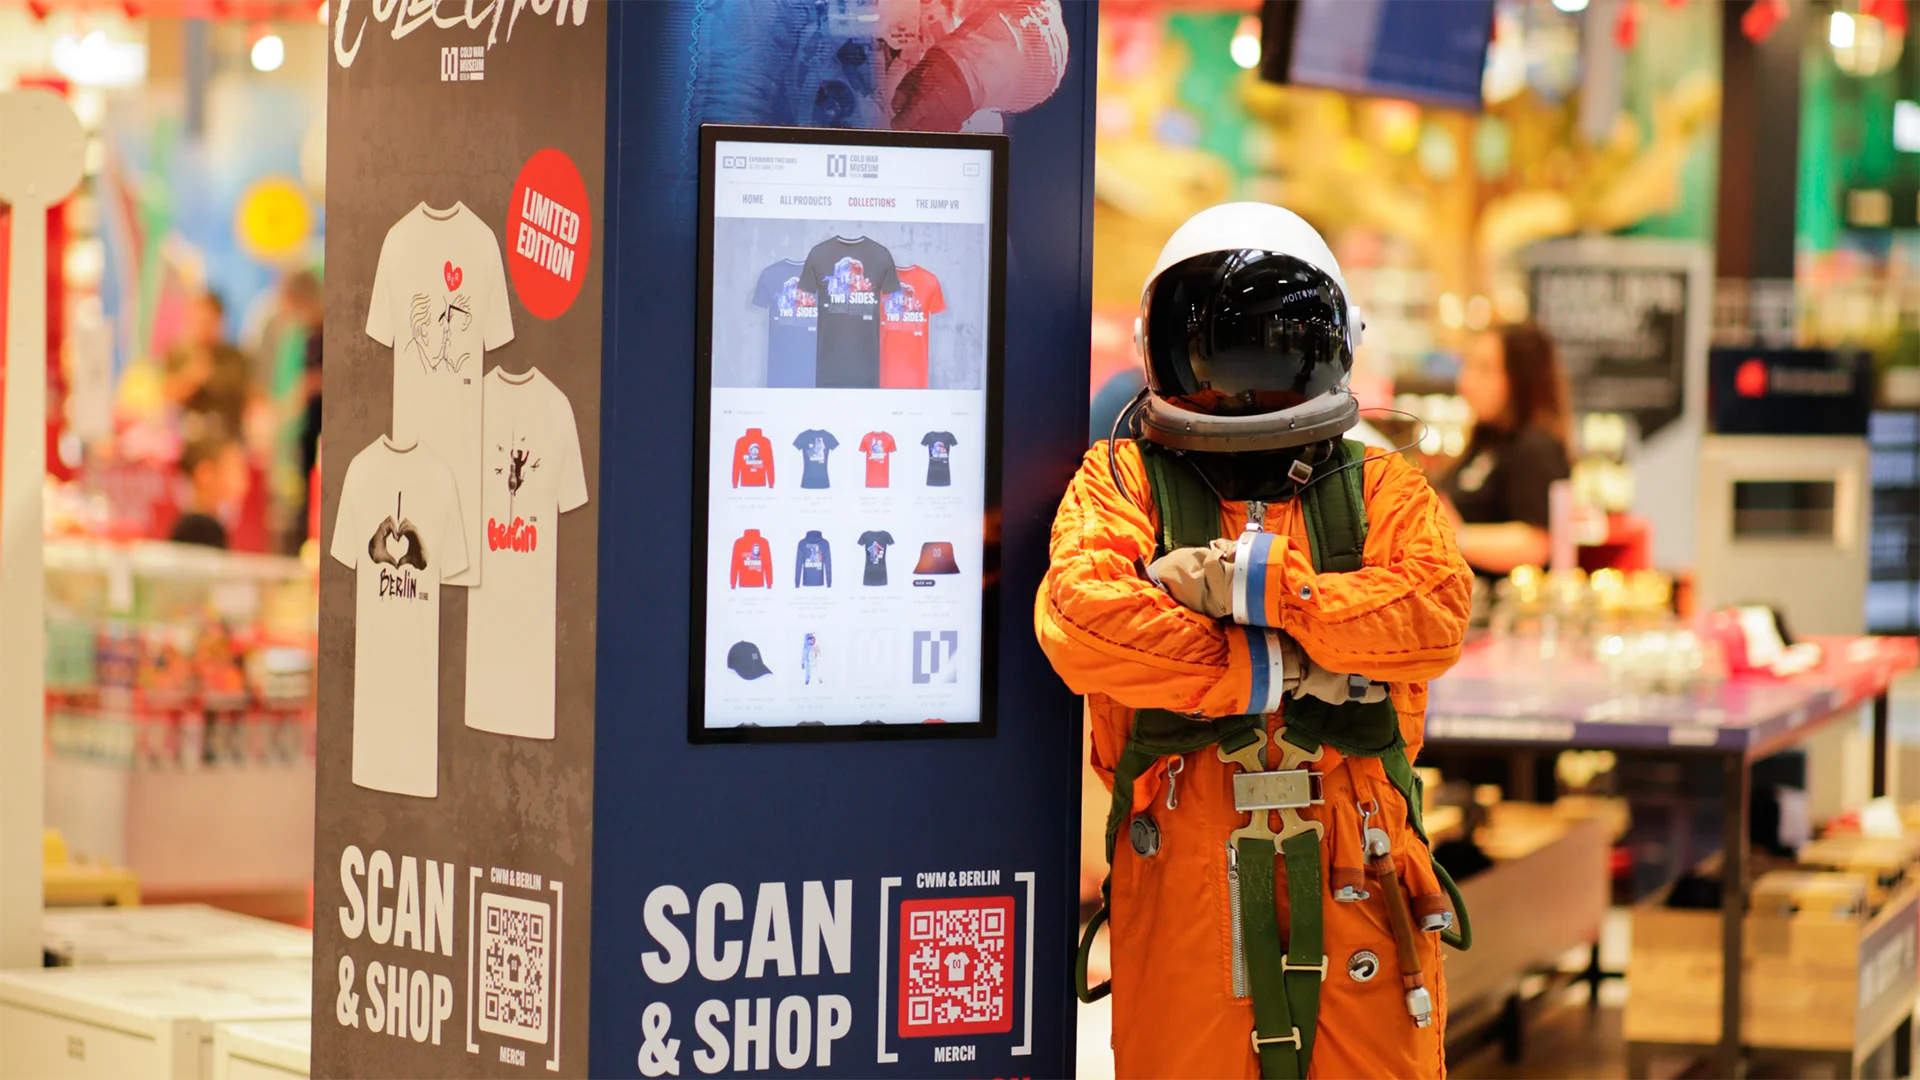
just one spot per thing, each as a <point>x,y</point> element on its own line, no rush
<point>1284,985</point>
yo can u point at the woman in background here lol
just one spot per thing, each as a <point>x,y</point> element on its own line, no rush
<point>1497,496</point>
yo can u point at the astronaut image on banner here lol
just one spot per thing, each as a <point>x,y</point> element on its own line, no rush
<point>941,65</point>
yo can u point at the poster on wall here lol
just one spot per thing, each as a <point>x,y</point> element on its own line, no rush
<point>1621,332</point>
<point>849,367</point>
<point>459,531</point>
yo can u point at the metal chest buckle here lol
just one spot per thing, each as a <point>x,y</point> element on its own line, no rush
<point>1280,789</point>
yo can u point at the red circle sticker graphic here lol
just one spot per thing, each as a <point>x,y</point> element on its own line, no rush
<point>549,233</point>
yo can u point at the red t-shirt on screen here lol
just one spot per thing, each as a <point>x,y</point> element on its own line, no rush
<point>904,319</point>
<point>876,446</point>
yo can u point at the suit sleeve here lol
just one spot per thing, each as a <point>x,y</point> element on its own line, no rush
<point>1109,630</point>
<point>1400,617</point>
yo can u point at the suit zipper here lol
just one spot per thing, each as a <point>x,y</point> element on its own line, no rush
<point>1256,516</point>
<point>1233,914</point>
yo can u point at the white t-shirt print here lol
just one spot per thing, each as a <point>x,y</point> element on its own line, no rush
<point>530,475</point>
<point>399,528</point>
<point>440,301</point>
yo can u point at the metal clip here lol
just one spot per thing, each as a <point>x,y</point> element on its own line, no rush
<point>1292,1040</point>
<point>1174,769</point>
<point>1287,964</point>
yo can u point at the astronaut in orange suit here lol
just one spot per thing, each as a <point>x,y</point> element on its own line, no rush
<point>1247,334</point>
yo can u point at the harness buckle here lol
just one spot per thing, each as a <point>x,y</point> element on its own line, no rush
<point>1287,964</point>
<point>1280,789</point>
<point>1292,1040</point>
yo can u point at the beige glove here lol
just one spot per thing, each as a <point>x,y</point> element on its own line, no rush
<point>1301,677</point>
<point>1200,578</point>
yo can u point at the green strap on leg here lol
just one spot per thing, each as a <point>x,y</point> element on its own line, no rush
<point>1285,984</point>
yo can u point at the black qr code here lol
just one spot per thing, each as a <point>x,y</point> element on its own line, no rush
<point>515,966</point>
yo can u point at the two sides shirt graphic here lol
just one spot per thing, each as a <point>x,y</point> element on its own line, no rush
<point>874,544</point>
<point>399,529</point>
<point>533,474</point>
<point>939,446</point>
<point>813,562</point>
<point>753,460</point>
<point>792,323</point>
<point>878,447</point>
<point>905,328</point>
<point>440,302</point>
<point>750,568</point>
<point>849,278</point>
<point>814,446</point>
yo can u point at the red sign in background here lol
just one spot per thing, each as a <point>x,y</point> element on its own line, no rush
<point>956,966</point>
<point>549,233</point>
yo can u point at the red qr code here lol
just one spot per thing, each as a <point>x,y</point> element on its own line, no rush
<point>956,966</point>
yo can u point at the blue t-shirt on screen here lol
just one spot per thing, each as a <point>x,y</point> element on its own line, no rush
<point>792,318</point>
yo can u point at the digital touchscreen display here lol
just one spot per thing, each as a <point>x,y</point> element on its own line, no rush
<point>850,347</point>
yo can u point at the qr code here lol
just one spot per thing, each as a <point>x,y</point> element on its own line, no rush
<point>956,966</point>
<point>515,966</point>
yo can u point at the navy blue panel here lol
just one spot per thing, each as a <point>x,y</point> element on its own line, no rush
<point>671,814</point>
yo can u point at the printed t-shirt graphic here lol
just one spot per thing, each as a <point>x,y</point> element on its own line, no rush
<point>877,447</point>
<point>848,279</point>
<point>753,460</point>
<point>906,318</point>
<point>814,446</point>
<point>532,473</point>
<point>440,302</point>
<point>813,561</point>
<point>939,446</point>
<point>399,529</point>
<point>750,567</point>
<point>792,317</point>
<point>874,545</point>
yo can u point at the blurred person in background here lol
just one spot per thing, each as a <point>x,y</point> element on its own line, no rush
<point>1497,495</point>
<point>306,309</point>
<point>215,469</point>
<point>206,377</point>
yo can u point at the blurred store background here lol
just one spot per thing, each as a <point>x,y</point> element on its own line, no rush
<point>1672,189</point>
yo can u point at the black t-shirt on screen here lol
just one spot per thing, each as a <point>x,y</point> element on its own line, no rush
<point>939,446</point>
<point>849,279</point>
<point>1504,476</point>
<point>874,544</point>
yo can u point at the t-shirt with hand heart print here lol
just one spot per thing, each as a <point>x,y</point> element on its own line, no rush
<point>440,301</point>
<point>399,529</point>
<point>531,474</point>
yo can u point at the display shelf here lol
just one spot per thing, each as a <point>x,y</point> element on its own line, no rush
<point>166,933</point>
<point>202,832</point>
<point>147,1020</point>
<point>262,1050</point>
<point>162,559</point>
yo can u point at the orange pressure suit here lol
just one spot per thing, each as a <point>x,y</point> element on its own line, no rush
<point>1116,637</point>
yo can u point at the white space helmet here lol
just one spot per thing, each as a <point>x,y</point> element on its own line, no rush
<point>1247,332</point>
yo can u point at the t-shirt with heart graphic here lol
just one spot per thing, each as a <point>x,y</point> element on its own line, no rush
<point>440,302</point>
<point>399,529</point>
<point>532,475</point>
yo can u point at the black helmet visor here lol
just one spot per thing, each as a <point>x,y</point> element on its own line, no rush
<point>1238,333</point>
